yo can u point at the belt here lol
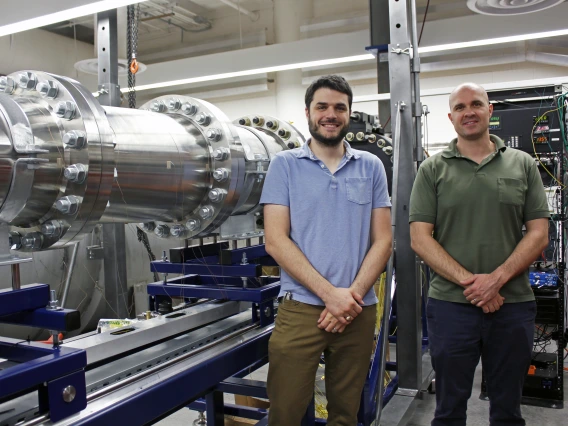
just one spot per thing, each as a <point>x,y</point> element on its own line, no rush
<point>287,296</point>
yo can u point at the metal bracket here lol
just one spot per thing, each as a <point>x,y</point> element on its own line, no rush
<point>399,51</point>
<point>95,252</point>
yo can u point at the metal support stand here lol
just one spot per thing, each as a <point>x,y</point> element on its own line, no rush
<point>116,289</point>
<point>409,347</point>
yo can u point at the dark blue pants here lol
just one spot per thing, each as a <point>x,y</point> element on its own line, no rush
<point>459,334</point>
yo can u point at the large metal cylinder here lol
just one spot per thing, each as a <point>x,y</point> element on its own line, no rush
<point>178,164</point>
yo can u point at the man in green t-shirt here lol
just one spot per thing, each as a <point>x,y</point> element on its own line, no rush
<point>467,210</point>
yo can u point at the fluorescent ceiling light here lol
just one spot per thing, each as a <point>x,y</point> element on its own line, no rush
<point>346,59</point>
<point>65,15</point>
<point>490,41</point>
<point>276,68</point>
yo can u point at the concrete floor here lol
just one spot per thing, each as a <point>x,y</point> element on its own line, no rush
<point>423,409</point>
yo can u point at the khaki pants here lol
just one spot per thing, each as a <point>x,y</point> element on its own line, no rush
<point>294,354</point>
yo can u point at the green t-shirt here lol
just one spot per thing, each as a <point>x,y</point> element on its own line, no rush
<point>478,211</point>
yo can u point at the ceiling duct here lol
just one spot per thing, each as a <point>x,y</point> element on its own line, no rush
<point>510,7</point>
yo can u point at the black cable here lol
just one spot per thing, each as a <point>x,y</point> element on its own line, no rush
<point>423,22</point>
<point>132,20</point>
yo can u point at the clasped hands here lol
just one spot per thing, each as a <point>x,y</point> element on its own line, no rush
<point>482,290</point>
<point>341,307</point>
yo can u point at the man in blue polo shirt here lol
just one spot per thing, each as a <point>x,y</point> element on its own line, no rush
<point>327,224</point>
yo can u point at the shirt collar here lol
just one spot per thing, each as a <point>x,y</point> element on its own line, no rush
<point>305,152</point>
<point>452,151</point>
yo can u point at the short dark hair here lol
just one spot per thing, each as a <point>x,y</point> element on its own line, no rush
<point>333,82</point>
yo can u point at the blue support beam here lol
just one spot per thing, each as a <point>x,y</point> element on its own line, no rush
<point>36,363</point>
<point>256,295</point>
<point>235,256</point>
<point>250,270</point>
<point>60,320</point>
<point>29,297</point>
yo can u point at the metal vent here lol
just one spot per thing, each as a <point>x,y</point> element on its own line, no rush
<point>510,7</point>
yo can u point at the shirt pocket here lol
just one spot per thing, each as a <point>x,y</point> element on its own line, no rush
<point>511,191</point>
<point>358,190</point>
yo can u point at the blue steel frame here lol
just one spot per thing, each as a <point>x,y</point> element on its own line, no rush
<point>225,281</point>
<point>36,365</point>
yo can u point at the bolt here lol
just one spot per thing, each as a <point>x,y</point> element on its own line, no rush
<point>272,125</point>
<point>193,224</point>
<point>75,173</point>
<point>371,138</point>
<point>7,85</point>
<point>244,261</point>
<point>387,150</point>
<point>267,312</point>
<point>53,302</point>
<point>206,212</point>
<point>217,195</point>
<point>75,139</point>
<point>28,80</point>
<point>48,89</point>
<point>178,231</point>
<point>158,106</point>
<point>51,228</point>
<point>174,104</point>
<point>15,240</point>
<point>188,108</point>
<point>221,154</point>
<point>162,231</point>
<point>381,143</point>
<point>148,226</point>
<point>69,393</point>
<point>32,241</point>
<point>360,136</point>
<point>220,175</point>
<point>204,119</point>
<point>66,109</point>
<point>284,134</point>
<point>244,121</point>
<point>258,121</point>
<point>68,205</point>
<point>291,145</point>
<point>213,134</point>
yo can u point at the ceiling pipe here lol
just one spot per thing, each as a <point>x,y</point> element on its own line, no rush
<point>548,58</point>
<point>252,15</point>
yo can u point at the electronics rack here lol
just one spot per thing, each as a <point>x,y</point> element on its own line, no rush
<point>524,120</point>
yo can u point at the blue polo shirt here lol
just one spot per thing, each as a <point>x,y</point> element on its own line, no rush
<point>330,214</point>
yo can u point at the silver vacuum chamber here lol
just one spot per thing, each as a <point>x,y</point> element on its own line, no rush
<point>177,165</point>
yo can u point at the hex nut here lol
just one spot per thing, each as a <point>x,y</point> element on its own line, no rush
<point>221,174</point>
<point>15,240</point>
<point>174,104</point>
<point>221,154</point>
<point>162,231</point>
<point>206,212</point>
<point>387,150</point>
<point>193,224</point>
<point>66,110</point>
<point>158,106</point>
<point>51,228</point>
<point>213,134</point>
<point>28,80</point>
<point>75,139</point>
<point>76,173</point>
<point>217,195</point>
<point>188,108</point>
<point>178,231</point>
<point>32,241</point>
<point>204,119</point>
<point>148,226</point>
<point>67,205</point>
<point>7,85</point>
<point>48,89</point>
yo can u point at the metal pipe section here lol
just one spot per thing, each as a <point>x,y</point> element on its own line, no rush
<point>69,274</point>
<point>177,165</point>
<point>417,111</point>
<point>16,284</point>
<point>390,269</point>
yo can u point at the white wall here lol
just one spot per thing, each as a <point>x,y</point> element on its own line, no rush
<point>43,51</point>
